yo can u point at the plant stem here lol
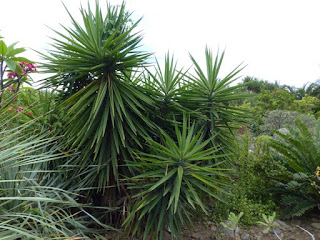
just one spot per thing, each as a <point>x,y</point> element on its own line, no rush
<point>19,83</point>
<point>277,235</point>
<point>306,232</point>
<point>1,80</point>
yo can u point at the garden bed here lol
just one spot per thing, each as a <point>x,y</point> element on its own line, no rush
<point>286,230</point>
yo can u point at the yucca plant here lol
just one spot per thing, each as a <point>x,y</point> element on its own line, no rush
<point>106,111</point>
<point>33,201</point>
<point>173,179</point>
<point>212,96</point>
<point>300,152</point>
<point>167,84</point>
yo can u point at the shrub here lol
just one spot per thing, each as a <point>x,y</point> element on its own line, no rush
<point>33,201</point>
<point>301,153</point>
<point>277,119</point>
<point>255,177</point>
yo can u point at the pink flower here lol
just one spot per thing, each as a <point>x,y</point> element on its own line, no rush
<point>12,75</point>
<point>11,88</point>
<point>21,108</point>
<point>28,67</point>
<point>10,109</point>
<point>30,113</point>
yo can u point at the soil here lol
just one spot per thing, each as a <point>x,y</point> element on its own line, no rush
<point>286,230</point>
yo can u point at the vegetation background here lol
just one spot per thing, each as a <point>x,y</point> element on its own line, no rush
<point>111,143</point>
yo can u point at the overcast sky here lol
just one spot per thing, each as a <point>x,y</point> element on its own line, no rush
<point>276,39</point>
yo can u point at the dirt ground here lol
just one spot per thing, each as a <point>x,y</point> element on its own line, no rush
<point>286,230</point>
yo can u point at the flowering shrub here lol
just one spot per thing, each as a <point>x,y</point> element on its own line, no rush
<point>17,69</point>
<point>316,186</point>
<point>26,68</point>
<point>20,74</point>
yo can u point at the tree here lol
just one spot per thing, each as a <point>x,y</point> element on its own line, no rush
<point>256,85</point>
<point>105,110</point>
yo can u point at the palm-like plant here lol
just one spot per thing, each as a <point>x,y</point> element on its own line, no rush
<point>310,89</point>
<point>301,152</point>
<point>105,110</point>
<point>212,97</point>
<point>165,86</point>
<point>172,180</point>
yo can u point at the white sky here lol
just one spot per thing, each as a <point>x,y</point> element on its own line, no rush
<point>276,39</point>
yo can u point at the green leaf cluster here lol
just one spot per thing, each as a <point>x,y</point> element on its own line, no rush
<point>32,204</point>
<point>172,180</point>
<point>300,151</point>
<point>256,174</point>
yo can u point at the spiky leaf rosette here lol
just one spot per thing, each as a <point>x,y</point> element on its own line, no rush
<point>106,111</point>
<point>172,180</point>
<point>165,84</point>
<point>212,96</point>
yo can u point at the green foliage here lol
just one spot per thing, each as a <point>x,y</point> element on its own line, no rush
<point>301,152</point>
<point>213,96</point>
<point>307,104</point>
<point>234,221</point>
<point>106,111</point>
<point>166,86</point>
<point>308,89</point>
<point>33,203</point>
<point>172,179</point>
<point>268,221</point>
<point>256,174</point>
<point>41,107</point>
<point>276,99</point>
<point>9,62</point>
<point>277,119</point>
<point>254,85</point>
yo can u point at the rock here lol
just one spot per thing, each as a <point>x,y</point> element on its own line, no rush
<point>275,231</point>
<point>296,222</point>
<point>166,235</point>
<point>229,232</point>
<point>317,235</point>
<point>265,231</point>
<point>283,130</point>
<point>257,237</point>
<point>212,226</point>
<point>245,236</point>
<point>282,224</point>
<point>315,225</point>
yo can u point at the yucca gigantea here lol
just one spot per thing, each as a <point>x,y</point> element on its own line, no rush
<point>212,95</point>
<point>165,84</point>
<point>105,109</point>
<point>173,178</point>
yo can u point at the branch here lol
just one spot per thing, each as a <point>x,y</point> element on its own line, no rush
<point>19,82</point>
<point>306,232</point>
<point>277,235</point>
